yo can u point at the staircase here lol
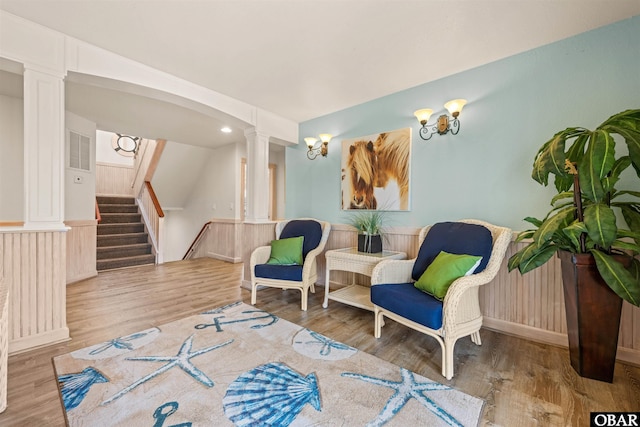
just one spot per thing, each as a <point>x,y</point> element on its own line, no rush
<point>122,240</point>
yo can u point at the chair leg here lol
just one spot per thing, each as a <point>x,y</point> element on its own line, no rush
<point>447,358</point>
<point>305,295</point>
<point>313,288</point>
<point>254,287</point>
<point>475,337</point>
<point>378,317</point>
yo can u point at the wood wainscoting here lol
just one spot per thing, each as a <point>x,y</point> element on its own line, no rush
<point>33,263</point>
<point>81,250</point>
<point>114,180</point>
<point>222,239</point>
<point>530,306</point>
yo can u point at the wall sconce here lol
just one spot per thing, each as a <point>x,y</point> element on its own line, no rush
<point>443,125</point>
<point>322,149</point>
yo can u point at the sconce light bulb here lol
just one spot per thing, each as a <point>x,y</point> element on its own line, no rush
<point>455,106</point>
<point>310,141</point>
<point>325,137</point>
<point>423,115</point>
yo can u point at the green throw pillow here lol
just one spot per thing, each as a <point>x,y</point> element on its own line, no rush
<point>286,251</point>
<point>442,272</point>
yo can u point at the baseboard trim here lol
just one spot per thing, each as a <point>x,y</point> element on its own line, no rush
<point>33,342</point>
<point>79,277</point>
<point>234,260</point>
<point>625,355</point>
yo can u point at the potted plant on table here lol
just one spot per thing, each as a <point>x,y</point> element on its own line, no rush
<point>597,253</point>
<point>369,225</point>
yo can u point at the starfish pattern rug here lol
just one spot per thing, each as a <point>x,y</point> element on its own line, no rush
<point>238,365</point>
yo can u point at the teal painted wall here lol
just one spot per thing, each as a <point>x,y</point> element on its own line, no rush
<point>484,172</point>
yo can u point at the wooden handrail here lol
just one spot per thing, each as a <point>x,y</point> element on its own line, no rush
<point>154,199</point>
<point>204,227</point>
<point>11,223</point>
<point>98,216</point>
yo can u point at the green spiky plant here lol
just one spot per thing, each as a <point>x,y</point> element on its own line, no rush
<point>369,223</point>
<point>583,216</point>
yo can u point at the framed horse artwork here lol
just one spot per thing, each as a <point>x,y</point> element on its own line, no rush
<point>375,171</point>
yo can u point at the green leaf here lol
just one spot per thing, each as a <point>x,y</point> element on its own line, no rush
<point>632,218</point>
<point>557,222</point>
<point>619,279</point>
<point>600,221</point>
<point>573,232</point>
<point>550,158</point>
<point>627,246</point>
<point>627,125</point>
<point>620,165</point>
<point>535,257</point>
<point>534,221</point>
<point>527,234</point>
<point>597,163</point>
<point>563,195</point>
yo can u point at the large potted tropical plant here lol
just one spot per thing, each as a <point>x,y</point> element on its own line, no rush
<point>595,229</point>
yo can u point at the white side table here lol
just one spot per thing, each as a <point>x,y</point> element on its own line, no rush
<point>349,259</point>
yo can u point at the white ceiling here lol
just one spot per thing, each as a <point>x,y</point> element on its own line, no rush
<point>305,58</point>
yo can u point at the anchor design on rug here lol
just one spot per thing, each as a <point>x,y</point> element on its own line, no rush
<point>182,360</point>
<point>160,416</point>
<point>218,323</point>
<point>406,389</point>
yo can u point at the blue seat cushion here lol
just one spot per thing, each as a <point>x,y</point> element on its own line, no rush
<point>309,229</point>
<point>457,238</point>
<point>409,302</point>
<point>279,272</point>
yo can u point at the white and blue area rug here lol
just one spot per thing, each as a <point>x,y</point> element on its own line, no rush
<point>237,365</point>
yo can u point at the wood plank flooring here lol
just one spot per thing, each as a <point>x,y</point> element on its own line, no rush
<point>523,383</point>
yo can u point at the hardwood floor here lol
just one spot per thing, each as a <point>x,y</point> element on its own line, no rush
<point>523,383</point>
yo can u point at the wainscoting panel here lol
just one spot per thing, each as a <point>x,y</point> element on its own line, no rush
<point>222,240</point>
<point>254,235</point>
<point>81,250</point>
<point>112,179</point>
<point>33,265</point>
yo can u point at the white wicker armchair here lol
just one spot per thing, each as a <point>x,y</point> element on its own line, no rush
<point>461,314</point>
<point>261,254</point>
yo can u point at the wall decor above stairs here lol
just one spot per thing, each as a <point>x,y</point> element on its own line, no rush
<point>122,240</point>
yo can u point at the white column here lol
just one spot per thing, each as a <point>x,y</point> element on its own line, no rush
<point>43,150</point>
<point>257,176</point>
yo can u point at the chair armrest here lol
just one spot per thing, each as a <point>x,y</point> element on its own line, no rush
<point>392,271</point>
<point>260,255</point>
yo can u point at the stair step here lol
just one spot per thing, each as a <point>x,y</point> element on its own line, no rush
<point>115,200</point>
<point>121,239</point>
<point>110,264</point>
<point>108,252</point>
<point>120,218</point>
<point>120,228</point>
<point>117,208</point>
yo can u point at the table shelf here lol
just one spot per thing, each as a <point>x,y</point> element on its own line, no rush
<point>349,259</point>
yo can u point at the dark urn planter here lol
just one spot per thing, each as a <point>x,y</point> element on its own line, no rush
<point>593,316</point>
<point>370,243</point>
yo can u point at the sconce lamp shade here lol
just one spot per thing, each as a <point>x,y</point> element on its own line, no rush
<point>310,141</point>
<point>455,106</point>
<point>325,137</point>
<point>423,115</point>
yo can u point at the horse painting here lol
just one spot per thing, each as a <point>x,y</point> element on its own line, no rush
<point>376,171</point>
<point>361,167</point>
